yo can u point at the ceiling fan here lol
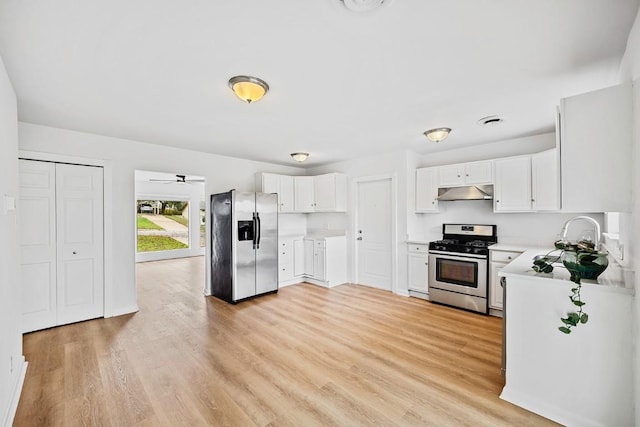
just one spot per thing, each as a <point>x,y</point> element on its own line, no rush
<point>182,179</point>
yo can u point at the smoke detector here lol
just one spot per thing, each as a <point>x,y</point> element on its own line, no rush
<point>362,5</point>
<point>490,121</point>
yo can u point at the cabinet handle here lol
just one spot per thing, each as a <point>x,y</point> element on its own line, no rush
<point>467,174</point>
<point>458,176</point>
<point>426,263</point>
<point>497,201</point>
<point>533,200</point>
<point>433,202</point>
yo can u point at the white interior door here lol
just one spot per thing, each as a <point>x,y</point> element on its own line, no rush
<point>79,219</point>
<point>38,244</point>
<point>374,230</point>
<point>61,238</point>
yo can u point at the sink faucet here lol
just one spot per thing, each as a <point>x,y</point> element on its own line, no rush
<point>565,229</point>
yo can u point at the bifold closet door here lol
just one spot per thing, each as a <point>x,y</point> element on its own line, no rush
<point>62,243</point>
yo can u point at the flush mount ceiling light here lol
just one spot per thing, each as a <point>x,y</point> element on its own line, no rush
<point>437,134</point>
<point>300,157</point>
<point>249,89</point>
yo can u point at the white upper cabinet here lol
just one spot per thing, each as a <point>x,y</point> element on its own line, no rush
<point>596,150</point>
<point>472,173</point>
<point>304,198</point>
<point>330,192</point>
<point>478,172</point>
<point>545,181</point>
<point>512,189</point>
<point>427,190</point>
<point>322,193</point>
<point>450,175</point>
<point>280,184</point>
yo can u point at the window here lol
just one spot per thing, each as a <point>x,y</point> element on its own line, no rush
<point>163,225</point>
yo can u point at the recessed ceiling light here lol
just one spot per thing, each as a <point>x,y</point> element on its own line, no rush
<point>490,120</point>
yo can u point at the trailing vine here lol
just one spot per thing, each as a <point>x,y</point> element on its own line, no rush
<point>585,254</point>
<point>573,319</point>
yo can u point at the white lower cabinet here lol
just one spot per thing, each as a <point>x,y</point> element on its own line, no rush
<point>498,259</point>
<point>418,267</point>
<point>321,261</point>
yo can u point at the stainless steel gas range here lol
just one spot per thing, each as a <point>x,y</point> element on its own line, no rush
<point>459,266</point>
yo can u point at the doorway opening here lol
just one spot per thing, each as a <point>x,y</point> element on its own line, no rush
<point>170,214</point>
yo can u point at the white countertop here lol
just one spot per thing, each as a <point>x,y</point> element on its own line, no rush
<point>614,278</point>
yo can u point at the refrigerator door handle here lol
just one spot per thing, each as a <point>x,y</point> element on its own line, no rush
<point>258,230</point>
<point>254,224</point>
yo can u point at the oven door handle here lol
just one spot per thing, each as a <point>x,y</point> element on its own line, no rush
<point>461,257</point>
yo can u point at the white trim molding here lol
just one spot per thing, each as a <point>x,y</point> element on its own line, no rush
<point>16,390</point>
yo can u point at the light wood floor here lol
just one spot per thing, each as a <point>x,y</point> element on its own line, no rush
<point>305,356</point>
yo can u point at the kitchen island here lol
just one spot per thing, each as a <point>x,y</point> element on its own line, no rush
<point>584,378</point>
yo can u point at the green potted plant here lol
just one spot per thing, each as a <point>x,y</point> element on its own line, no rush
<point>583,261</point>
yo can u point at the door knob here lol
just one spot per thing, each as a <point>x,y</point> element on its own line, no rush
<point>359,238</point>
<point>74,252</point>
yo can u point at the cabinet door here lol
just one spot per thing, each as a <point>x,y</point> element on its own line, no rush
<point>545,183</point>
<point>303,193</point>
<point>324,187</point>
<point>285,193</point>
<point>596,140</point>
<point>309,257</point>
<point>319,270</point>
<point>451,175</point>
<point>270,183</point>
<point>285,260</point>
<point>418,272</point>
<point>478,173</point>
<point>426,190</point>
<point>513,184</point>
<point>495,290</point>
<point>298,258</point>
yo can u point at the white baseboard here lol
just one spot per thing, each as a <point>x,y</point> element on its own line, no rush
<point>15,394</point>
<point>123,310</point>
<point>546,410</point>
<point>403,292</point>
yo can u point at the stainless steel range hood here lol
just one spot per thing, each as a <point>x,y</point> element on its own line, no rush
<point>469,192</point>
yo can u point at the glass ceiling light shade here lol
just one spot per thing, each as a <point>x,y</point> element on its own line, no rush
<point>249,89</point>
<point>300,157</point>
<point>437,134</point>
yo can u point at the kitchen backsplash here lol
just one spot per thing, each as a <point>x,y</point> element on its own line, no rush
<point>531,229</point>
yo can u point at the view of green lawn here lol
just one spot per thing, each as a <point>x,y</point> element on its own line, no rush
<point>145,224</point>
<point>179,219</point>
<point>158,243</point>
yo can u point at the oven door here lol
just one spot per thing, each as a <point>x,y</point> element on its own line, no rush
<point>461,273</point>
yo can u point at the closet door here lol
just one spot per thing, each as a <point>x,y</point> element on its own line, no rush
<point>61,242</point>
<point>37,225</point>
<point>79,225</point>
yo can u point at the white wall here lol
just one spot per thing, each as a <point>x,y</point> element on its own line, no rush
<point>124,157</point>
<point>630,223</point>
<point>11,359</point>
<point>391,163</point>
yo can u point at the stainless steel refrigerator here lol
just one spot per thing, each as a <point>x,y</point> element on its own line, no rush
<point>244,245</point>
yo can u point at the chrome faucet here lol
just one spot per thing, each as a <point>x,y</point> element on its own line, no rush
<point>565,229</point>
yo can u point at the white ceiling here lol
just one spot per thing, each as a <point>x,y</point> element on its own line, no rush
<point>342,83</point>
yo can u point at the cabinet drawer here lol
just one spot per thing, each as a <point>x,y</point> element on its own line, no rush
<point>418,248</point>
<point>503,256</point>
